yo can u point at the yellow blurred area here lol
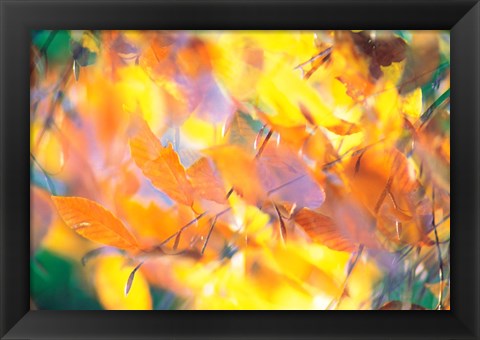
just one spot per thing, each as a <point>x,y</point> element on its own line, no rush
<point>200,133</point>
<point>267,274</point>
<point>111,275</point>
<point>245,54</point>
<point>64,241</point>
<point>361,285</point>
<point>109,104</point>
<point>299,276</point>
<point>47,148</point>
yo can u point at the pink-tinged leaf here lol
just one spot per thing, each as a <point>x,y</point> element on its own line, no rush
<point>206,182</point>
<point>286,179</point>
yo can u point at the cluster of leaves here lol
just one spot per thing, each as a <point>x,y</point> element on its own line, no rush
<point>243,170</point>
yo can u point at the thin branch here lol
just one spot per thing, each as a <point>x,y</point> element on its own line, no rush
<point>323,53</point>
<point>264,144</point>
<point>182,229</point>
<point>209,234</point>
<point>428,114</point>
<point>285,184</point>
<point>383,194</point>
<point>49,181</point>
<point>97,252</point>
<point>259,134</point>
<point>49,40</point>
<point>177,240</point>
<point>351,266</point>
<point>439,253</point>
<point>283,229</point>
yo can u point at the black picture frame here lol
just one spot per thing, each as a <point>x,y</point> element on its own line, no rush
<point>18,17</point>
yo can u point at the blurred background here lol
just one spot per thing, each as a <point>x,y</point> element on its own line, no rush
<point>356,115</point>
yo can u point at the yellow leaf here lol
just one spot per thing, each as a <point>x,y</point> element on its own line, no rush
<point>201,133</point>
<point>291,101</point>
<point>387,106</point>
<point>412,103</point>
<point>111,275</point>
<point>94,222</point>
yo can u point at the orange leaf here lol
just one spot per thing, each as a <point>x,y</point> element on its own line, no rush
<point>168,174</point>
<point>160,165</point>
<point>239,170</point>
<point>94,222</point>
<point>382,178</point>
<point>322,229</point>
<point>205,181</point>
<point>382,175</point>
<point>150,221</point>
<point>145,146</point>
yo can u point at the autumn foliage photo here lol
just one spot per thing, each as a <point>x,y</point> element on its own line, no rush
<point>249,170</point>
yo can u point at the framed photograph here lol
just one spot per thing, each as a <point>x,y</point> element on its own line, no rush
<point>240,169</point>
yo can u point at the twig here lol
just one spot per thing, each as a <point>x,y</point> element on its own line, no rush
<point>209,234</point>
<point>319,55</point>
<point>264,144</point>
<point>177,240</point>
<point>259,134</point>
<point>428,114</point>
<point>439,253</point>
<point>50,184</point>
<point>49,40</point>
<point>283,229</point>
<point>351,266</point>
<point>181,229</point>
<point>285,184</point>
